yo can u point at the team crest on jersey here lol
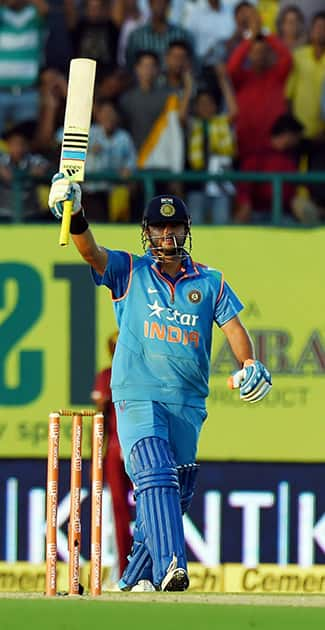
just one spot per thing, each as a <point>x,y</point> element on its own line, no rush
<point>167,209</point>
<point>195,296</point>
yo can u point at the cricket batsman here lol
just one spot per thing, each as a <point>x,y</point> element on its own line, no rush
<point>165,306</point>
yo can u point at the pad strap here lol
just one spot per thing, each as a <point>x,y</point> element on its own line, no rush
<point>187,474</point>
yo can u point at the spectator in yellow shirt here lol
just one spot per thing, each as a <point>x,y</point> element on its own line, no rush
<point>211,147</point>
<point>305,82</point>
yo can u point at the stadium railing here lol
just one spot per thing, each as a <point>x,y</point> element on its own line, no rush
<point>150,177</point>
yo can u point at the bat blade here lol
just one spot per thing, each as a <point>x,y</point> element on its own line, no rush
<point>77,119</point>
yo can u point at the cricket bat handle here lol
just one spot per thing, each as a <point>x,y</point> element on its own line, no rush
<point>65,224</point>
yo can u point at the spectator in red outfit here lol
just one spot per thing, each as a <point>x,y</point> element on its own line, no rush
<point>114,472</point>
<point>258,68</point>
<point>283,157</point>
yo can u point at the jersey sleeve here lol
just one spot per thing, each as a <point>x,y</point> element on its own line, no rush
<point>117,273</point>
<point>228,306</point>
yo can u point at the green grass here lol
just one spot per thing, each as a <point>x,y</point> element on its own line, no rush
<point>38,614</point>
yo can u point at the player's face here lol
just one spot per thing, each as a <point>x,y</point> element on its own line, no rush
<point>166,238</point>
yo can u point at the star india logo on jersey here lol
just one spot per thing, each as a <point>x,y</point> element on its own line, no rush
<point>172,331</point>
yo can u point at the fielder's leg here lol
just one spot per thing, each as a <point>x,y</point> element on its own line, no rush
<point>120,485</point>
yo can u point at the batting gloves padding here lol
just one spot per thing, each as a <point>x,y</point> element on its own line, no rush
<point>254,381</point>
<point>63,190</point>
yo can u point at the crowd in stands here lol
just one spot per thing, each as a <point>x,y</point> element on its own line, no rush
<point>194,85</point>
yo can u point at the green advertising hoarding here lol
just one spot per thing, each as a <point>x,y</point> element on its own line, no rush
<point>54,324</point>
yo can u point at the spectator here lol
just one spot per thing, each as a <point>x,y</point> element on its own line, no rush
<point>133,17</point>
<point>58,48</point>
<point>322,103</point>
<point>210,25</point>
<point>151,114</point>
<point>309,202</point>
<point>291,27</point>
<point>242,14</point>
<point>308,7</point>
<point>259,68</point>
<point>283,157</point>
<point>178,75</point>
<point>142,104</point>
<point>113,84</point>
<point>309,70</point>
<point>178,10</point>
<point>120,10</point>
<point>286,141</point>
<point>110,148</point>
<point>53,91</point>
<point>114,472</point>
<point>210,146</point>
<point>95,35</point>
<point>21,51</point>
<point>156,35</point>
<point>19,161</point>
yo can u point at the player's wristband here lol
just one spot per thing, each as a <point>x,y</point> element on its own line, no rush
<point>79,223</point>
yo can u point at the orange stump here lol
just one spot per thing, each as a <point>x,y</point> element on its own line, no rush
<point>74,534</point>
<point>74,530</point>
<point>96,505</point>
<point>52,502</point>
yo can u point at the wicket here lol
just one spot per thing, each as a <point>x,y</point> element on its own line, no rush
<point>74,531</point>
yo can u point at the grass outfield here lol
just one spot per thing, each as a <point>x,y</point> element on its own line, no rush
<point>162,612</point>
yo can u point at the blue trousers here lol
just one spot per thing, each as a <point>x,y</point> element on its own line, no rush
<point>179,425</point>
<point>155,438</point>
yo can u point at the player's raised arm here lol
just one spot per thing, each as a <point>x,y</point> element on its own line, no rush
<point>61,190</point>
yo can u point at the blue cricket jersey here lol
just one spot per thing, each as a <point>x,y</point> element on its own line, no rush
<point>165,328</point>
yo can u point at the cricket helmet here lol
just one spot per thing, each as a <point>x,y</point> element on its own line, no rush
<point>166,209</point>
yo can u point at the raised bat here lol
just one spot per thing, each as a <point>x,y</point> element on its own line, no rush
<point>77,120</point>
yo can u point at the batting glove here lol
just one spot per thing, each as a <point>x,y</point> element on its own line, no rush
<point>254,381</point>
<point>63,190</point>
